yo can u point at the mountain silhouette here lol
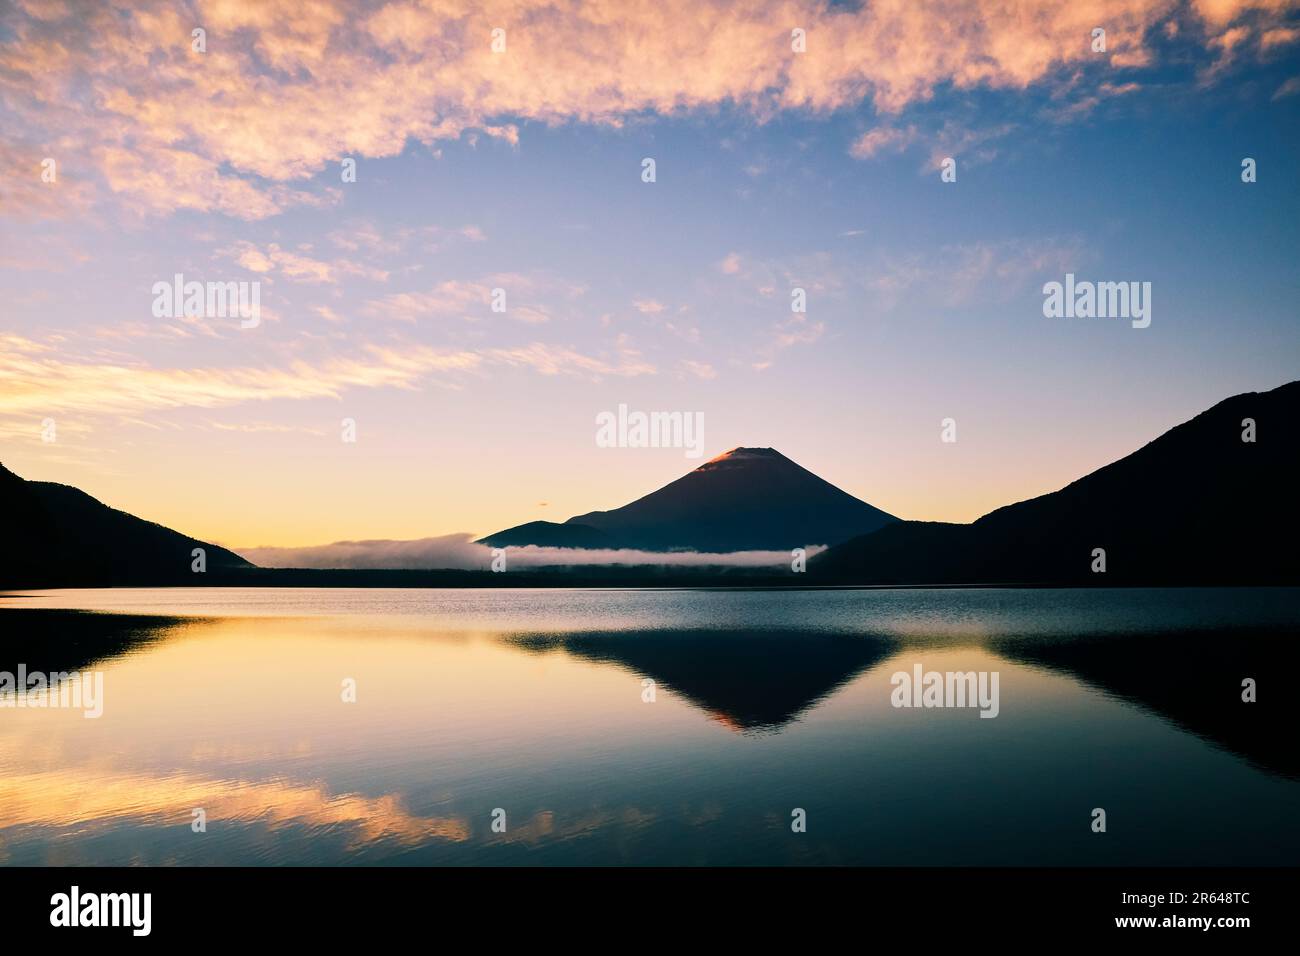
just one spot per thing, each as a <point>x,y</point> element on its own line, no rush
<point>753,682</point>
<point>1192,679</point>
<point>54,641</point>
<point>58,536</point>
<point>1199,505</point>
<point>550,534</point>
<point>748,499</point>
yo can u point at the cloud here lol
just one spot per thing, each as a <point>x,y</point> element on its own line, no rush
<point>702,370</point>
<point>26,195</point>
<point>556,359</point>
<point>328,314</point>
<point>454,297</point>
<point>447,551</point>
<point>368,238</point>
<point>257,428</point>
<point>962,273</point>
<point>535,557</point>
<point>972,145</point>
<point>1272,39</point>
<point>1243,29</point>
<point>472,299</point>
<point>37,252</point>
<point>796,330</point>
<point>1290,88</point>
<point>283,93</point>
<point>968,144</point>
<point>459,551</point>
<point>37,380</point>
<point>161,179</point>
<point>951,276</point>
<point>298,267</point>
<point>880,139</point>
<point>1219,13</point>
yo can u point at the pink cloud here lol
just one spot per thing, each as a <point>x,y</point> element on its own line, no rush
<point>286,90</point>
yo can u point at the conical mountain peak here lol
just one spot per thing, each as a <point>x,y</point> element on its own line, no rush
<point>746,499</point>
<point>747,454</point>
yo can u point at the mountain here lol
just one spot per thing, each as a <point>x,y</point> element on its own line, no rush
<point>26,533</point>
<point>751,681</point>
<point>550,534</point>
<point>1196,506</point>
<point>748,499</point>
<point>57,536</point>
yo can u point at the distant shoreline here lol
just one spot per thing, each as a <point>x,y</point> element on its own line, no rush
<point>631,579</point>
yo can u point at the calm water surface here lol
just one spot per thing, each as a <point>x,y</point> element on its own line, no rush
<point>230,701</point>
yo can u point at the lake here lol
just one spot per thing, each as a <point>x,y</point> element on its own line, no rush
<point>654,727</point>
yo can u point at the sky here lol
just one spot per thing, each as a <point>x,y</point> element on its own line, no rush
<point>522,169</point>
